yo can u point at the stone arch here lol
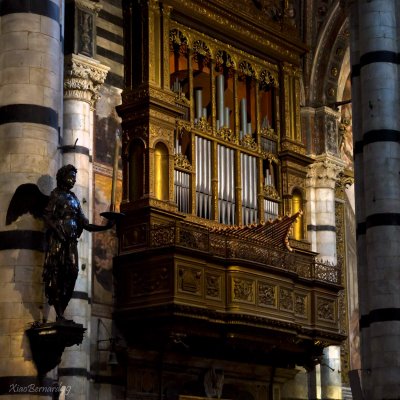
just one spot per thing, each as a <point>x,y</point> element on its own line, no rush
<point>328,58</point>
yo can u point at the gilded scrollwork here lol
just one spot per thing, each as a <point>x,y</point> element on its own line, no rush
<point>246,69</point>
<point>266,80</point>
<point>203,125</point>
<point>226,134</point>
<point>214,46</point>
<point>178,41</point>
<point>248,142</point>
<point>224,59</point>
<point>201,50</point>
<point>269,133</point>
<point>181,161</point>
<point>270,192</point>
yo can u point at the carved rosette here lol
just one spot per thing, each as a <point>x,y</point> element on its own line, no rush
<point>324,172</point>
<point>83,78</point>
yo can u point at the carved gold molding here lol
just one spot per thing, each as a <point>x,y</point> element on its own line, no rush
<point>263,70</point>
<point>83,78</point>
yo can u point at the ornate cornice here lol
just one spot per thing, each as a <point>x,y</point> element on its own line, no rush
<point>324,172</point>
<point>83,78</point>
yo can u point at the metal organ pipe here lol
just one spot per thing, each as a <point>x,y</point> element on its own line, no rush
<point>226,117</point>
<point>220,100</point>
<point>198,93</point>
<point>243,117</point>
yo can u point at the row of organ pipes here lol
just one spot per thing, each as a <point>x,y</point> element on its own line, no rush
<point>203,177</point>
<point>223,112</point>
<point>249,188</point>
<point>226,185</point>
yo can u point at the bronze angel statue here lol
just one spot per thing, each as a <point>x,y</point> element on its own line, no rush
<point>65,222</point>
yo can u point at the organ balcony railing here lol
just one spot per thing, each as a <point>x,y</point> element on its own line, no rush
<point>220,243</point>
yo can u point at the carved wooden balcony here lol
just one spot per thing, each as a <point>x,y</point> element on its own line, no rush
<point>241,285</point>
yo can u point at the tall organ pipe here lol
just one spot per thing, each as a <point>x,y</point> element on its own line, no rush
<point>243,117</point>
<point>198,102</point>
<point>220,100</point>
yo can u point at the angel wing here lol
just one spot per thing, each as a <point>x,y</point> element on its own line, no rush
<point>27,199</point>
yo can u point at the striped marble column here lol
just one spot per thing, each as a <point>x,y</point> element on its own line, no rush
<point>321,180</point>
<point>30,88</point>
<point>375,74</point>
<point>83,78</point>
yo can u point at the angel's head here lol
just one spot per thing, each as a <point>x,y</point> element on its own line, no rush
<point>66,176</point>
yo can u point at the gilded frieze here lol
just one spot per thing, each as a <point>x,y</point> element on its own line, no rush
<point>238,26</point>
<point>262,69</point>
<point>300,305</point>
<point>189,280</point>
<point>243,290</point>
<point>325,309</point>
<point>267,295</point>
<point>285,299</point>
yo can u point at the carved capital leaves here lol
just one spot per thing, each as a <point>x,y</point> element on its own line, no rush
<point>83,78</point>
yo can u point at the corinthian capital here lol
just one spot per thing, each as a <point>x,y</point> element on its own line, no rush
<point>83,78</point>
<point>325,171</point>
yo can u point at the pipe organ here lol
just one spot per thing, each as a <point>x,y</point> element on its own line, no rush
<point>230,107</point>
<point>212,152</point>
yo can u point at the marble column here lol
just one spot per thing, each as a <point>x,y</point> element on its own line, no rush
<point>321,180</point>
<point>83,79</point>
<point>375,77</point>
<point>30,104</point>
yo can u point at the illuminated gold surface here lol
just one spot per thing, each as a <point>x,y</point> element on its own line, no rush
<point>161,188</point>
<point>297,205</point>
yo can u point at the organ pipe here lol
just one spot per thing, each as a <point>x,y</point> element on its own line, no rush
<point>220,100</point>
<point>243,117</point>
<point>198,94</point>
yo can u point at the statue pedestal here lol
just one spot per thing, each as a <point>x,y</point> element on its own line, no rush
<point>48,341</point>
